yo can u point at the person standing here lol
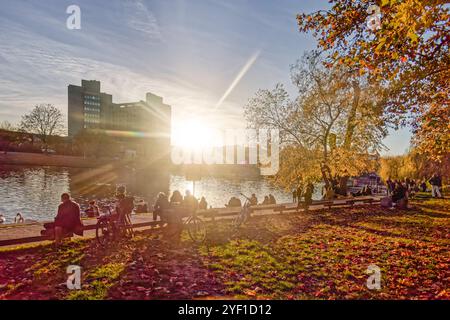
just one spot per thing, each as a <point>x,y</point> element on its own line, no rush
<point>299,193</point>
<point>294,195</point>
<point>436,183</point>
<point>308,196</point>
<point>389,186</point>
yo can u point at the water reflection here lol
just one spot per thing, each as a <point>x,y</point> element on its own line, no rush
<point>35,192</point>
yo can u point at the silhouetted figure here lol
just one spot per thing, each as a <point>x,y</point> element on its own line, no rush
<point>399,196</point>
<point>203,205</point>
<point>141,207</point>
<point>423,186</point>
<point>190,203</point>
<point>389,186</point>
<point>92,210</point>
<point>308,196</point>
<point>19,218</point>
<point>272,199</point>
<point>234,202</point>
<point>253,200</point>
<point>407,183</point>
<point>160,206</point>
<point>436,184</point>
<point>266,200</point>
<point>176,198</point>
<point>294,195</point>
<point>124,203</point>
<point>68,219</point>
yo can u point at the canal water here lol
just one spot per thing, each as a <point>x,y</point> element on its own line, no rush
<point>35,191</point>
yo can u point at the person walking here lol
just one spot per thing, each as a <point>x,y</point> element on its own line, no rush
<point>436,183</point>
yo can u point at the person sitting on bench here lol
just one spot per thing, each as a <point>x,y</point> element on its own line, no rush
<point>234,202</point>
<point>400,197</point>
<point>92,210</point>
<point>68,219</point>
<point>160,206</point>
<point>203,205</point>
<point>141,207</point>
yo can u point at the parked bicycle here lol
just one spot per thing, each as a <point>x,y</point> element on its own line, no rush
<point>196,228</point>
<point>112,226</point>
<point>243,215</point>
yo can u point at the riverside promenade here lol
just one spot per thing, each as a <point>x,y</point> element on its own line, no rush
<point>28,231</point>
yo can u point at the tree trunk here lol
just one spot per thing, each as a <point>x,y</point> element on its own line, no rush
<point>350,130</point>
<point>352,116</point>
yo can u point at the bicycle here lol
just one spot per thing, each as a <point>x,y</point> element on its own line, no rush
<point>113,226</point>
<point>196,228</point>
<point>243,215</point>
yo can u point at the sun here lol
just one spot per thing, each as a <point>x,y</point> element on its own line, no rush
<point>194,134</point>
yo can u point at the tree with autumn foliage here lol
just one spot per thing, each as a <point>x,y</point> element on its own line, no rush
<point>407,54</point>
<point>413,165</point>
<point>325,133</point>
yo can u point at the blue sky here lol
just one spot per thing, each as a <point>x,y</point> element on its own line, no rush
<point>188,51</point>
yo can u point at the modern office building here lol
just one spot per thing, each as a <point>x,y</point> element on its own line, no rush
<point>144,126</point>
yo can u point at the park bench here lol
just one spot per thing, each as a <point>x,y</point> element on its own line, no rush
<point>40,238</point>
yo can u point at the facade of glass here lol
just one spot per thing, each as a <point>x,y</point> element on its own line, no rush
<point>144,125</point>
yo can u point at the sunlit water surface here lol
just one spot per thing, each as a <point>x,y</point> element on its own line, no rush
<point>35,192</point>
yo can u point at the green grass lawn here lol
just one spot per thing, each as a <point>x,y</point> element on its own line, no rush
<point>317,255</point>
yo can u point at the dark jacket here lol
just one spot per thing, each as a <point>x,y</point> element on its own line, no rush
<point>68,216</point>
<point>436,181</point>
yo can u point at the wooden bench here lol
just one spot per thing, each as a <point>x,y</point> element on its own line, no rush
<point>40,238</point>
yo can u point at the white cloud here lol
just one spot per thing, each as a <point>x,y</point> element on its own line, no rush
<point>140,18</point>
<point>36,69</point>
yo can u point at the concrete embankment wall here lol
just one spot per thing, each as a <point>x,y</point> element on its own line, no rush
<point>38,159</point>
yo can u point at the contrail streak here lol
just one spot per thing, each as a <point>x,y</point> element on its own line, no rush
<point>238,78</point>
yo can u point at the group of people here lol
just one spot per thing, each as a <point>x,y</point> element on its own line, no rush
<point>176,200</point>
<point>270,199</point>
<point>93,210</point>
<point>68,217</point>
<point>306,193</point>
<point>412,186</point>
<point>17,219</point>
<point>235,202</point>
<point>400,191</point>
